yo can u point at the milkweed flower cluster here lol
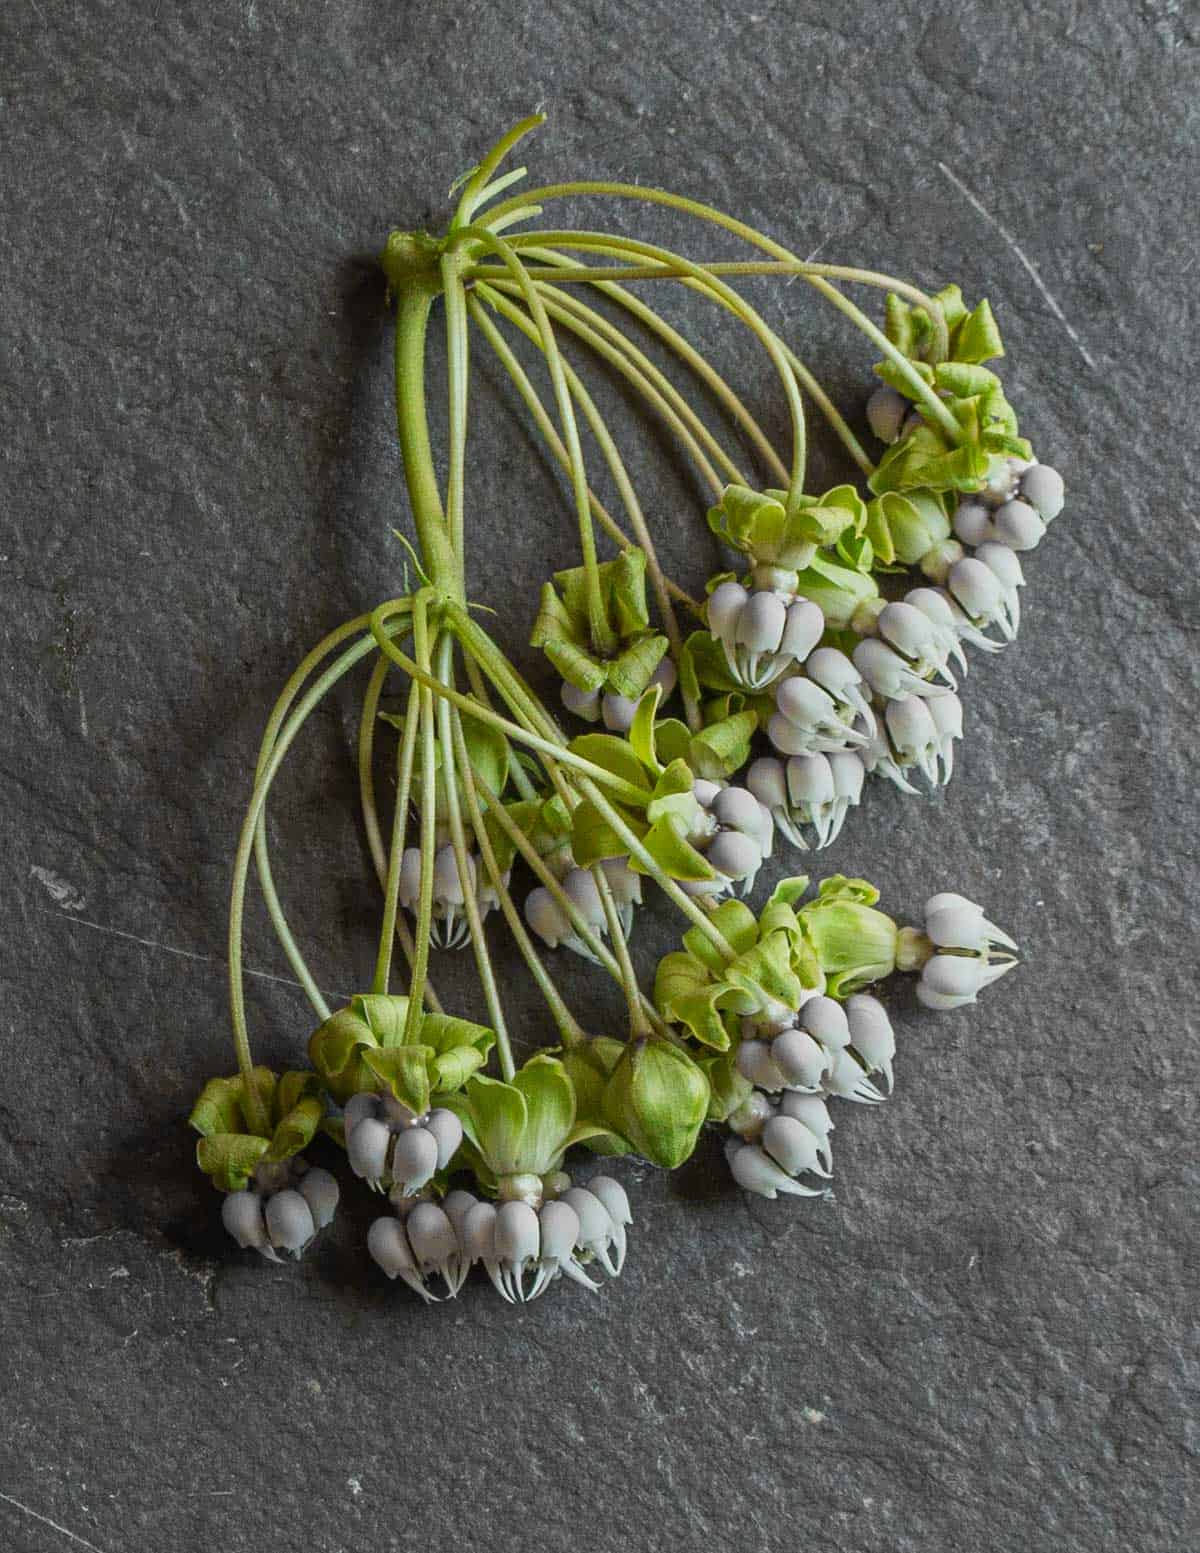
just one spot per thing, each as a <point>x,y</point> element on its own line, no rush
<point>689,742</point>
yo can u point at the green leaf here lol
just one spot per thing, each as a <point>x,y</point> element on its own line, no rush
<point>499,1114</point>
<point>576,665</point>
<point>703,1014</point>
<point>630,671</point>
<point>672,738</point>
<point>765,972</point>
<point>641,730</point>
<point>297,1128</point>
<point>450,1070</point>
<point>613,755</point>
<point>404,1070</point>
<point>219,1108</point>
<point>230,1158</point>
<point>550,1112</point>
<point>977,337</point>
<point>678,975</point>
<point>837,589</point>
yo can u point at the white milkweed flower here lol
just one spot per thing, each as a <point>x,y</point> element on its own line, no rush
<point>735,832</point>
<point>871,1034</point>
<point>616,711</point>
<point>282,1209</point>
<point>786,1147</point>
<point>422,1241</point>
<point>450,928</point>
<point>808,720</point>
<point>983,599</point>
<point>911,633</point>
<point>551,922</point>
<point>816,790</point>
<point>515,1241</point>
<point>888,673</point>
<point>953,922</point>
<point>763,632</point>
<point>1014,510</point>
<point>914,736</point>
<point>1003,564</point>
<point>387,1144</point>
<point>969,952</point>
<point>950,980</point>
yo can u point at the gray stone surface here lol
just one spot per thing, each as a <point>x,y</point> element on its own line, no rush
<point>986,1338</point>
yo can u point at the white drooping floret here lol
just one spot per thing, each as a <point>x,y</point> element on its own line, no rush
<point>764,633</point>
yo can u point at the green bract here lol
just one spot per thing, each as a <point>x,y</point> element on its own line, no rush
<point>520,1128</point>
<point>773,533</point>
<point>362,1047</point>
<point>229,1148</point>
<point>927,458</point>
<point>854,944</point>
<point>905,528</point>
<point>562,630</point>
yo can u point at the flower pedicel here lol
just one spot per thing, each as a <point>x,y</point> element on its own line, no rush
<point>834,651</point>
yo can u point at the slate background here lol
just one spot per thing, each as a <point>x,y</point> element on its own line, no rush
<point>986,1337</point>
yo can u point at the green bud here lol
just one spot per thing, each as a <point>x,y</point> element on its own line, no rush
<point>658,1098</point>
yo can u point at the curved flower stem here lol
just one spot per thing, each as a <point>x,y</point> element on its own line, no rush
<point>635,367</point>
<point>495,295</point>
<point>603,637</point>
<point>370,812</point>
<point>695,282</point>
<point>428,807</point>
<point>255,1113</point>
<point>477,188</point>
<point>767,245</point>
<point>687,353</point>
<point>638,1024</point>
<point>565,273</point>
<point>391,894</point>
<point>279,711</point>
<point>736,304</point>
<point>621,476</point>
<point>480,316</point>
<point>583,928</point>
<point>626,790</point>
<point>466,878</point>
<point>566,1022</point>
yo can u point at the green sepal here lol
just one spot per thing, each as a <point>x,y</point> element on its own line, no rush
<point>727,1088</point>
<point>562,628</point>
<point>854,944</point>
<point>613,755</point>
<point>589,1066</point>
<point>723,747</point>
<point>498,1113</point>
<point>230,1158</point>
<point>703,666</point>
<point>404,1072</point>
<point>674,855</point>
<point>977,338</point>
<point>838,590</point>
<point>642,738</point>
<point>759,524</point>
<point>764,973</point>
<point>657,1097</point>
<point>593,839</point>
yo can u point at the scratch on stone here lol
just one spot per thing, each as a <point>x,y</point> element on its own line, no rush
<point>46,1521</point>
<point>61,891</point>
<point>184,954</point>
<point>83,722</point>
<point>1028,264</point>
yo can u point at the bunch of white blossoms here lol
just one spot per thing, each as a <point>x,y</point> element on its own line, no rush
<point>450,928</point>
<point>283,1208</point>
<point>522,1248</point>
<point>390,1146</point>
